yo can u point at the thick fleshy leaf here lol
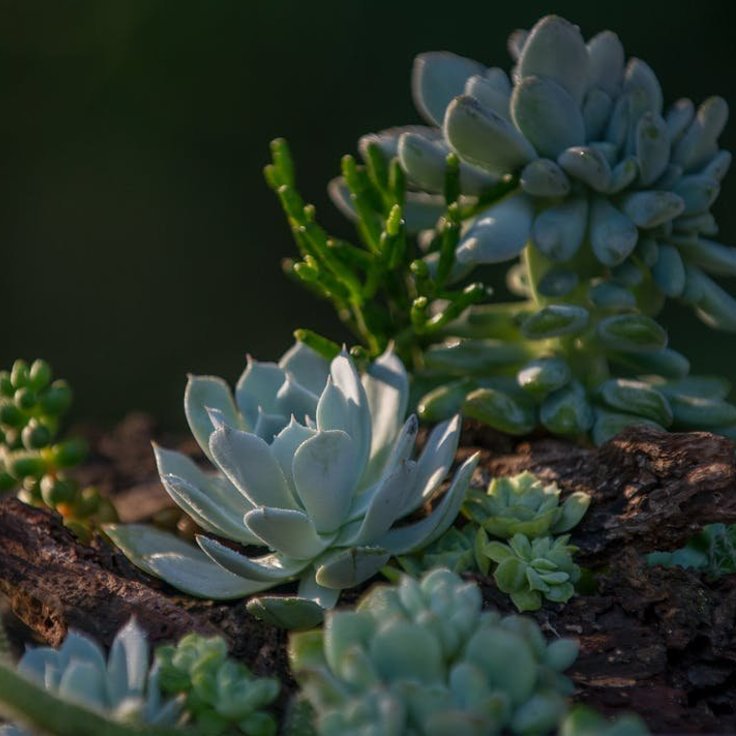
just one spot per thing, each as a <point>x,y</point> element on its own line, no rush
<point>558,231</point>
<point>284,446</point>
<point>699,142</point>
<point>484,138</point>
<point>248,462</point>
<point>716,306</point>
<point>350,567</point>
<point>652,147</point>
<point>666,363</point>
<point>557,282</point>
<point>596,112</point>
<point>678,118</point>
<point>609,296</point>
<point>652,208</point>
<point>415,536</point>
<point>543,375</point>
<point>287,531</point>
<point>273,568</point>
<point>669,271</point>
<point>613,234</point>
<point>544,178</point>
<point>325,478</point>
<point>292,399</point>
<point>637,397</point>
<point>640,77</point>
<point>711,256</point>
<point>567,411</point>
<point>718,166</point>
<point>555,320</point>
<point>257,388</point>
<point>588,165</point>
<point>499,233</point>
<point>216,487</point>
<point>555,49</point>
<point>286,612</point>
<point>386,385</point>
<point>609,424</point>
<point>490,93</point>
<point>180,564</point>
<point>127,666</point>
<point>547,116</point>
<point>81,683</point>
<point>697,192</point>
<point>438,77</point>
<point>307,366</point>
<point>632,333</point>
<point>203,393</point>
<point>623,174</point>
<point>503,411</point>
<point>607,56</point>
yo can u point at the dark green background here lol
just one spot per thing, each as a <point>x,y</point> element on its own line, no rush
<point>138,239</point>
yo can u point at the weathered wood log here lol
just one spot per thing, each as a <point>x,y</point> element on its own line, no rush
<point>658,641</point>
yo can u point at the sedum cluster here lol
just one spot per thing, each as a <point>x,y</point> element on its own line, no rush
<point>422,658</point>
<point>572,167</point>
<point>222,695</point>
<point>314,464</point>
<point>32,460</point>
<point>122,688</point>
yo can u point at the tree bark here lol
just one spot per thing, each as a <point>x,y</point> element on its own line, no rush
<point>658,641</point>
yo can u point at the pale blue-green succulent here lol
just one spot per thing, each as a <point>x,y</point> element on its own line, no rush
<point>324,496</point>
<point>423,658</point>
<point>522,504</point>
<point>532,569</point>
<point>222,695</point>
<point>122,688</point>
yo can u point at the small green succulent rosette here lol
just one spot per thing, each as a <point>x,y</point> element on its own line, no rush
<point>423,658</point>
<point>530,570</point>
<point>222,695</point>
<point>572,166</point>
<point>584,721</point>
<point>325,492</point>
<point>123,687</point>
<point>522,504</point>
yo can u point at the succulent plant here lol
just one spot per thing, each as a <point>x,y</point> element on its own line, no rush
<point>711,551</point>
<point>522,504</point>
<point>532,569</point>
<point>222,695</point>
<point>122,688</point>
<point>584,721</point>
<point>324,496</point>
<point>32,462</point>
<point>423,658</point>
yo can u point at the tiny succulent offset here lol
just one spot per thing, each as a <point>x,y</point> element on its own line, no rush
<point>122,687</point>
<point>322,491</point>
<point>222,695</point>
<point>532,569</point>
<point>572,168</point>
<point>712,552</point>
<point>33,462</point>
<point>423,658</point>
<point>522,504</point>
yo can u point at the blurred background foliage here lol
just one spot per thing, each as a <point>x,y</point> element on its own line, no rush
<point>138,240</point>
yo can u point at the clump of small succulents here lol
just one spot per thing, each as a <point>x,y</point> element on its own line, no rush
<point>423,658</point>
<point>571,164</point>
<point>323,491</point>
<point>33,462</point>
<point>712,552</point>
<point>79,685</point>
<point>222,695</point>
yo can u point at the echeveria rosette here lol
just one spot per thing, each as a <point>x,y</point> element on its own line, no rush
<point>532,569</point>
<point>522,504</point>
<point>423,658</point>
<point>324,496</point>
<point>123,687</point>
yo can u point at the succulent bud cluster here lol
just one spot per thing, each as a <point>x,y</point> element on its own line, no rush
<point>32,461</point>
<point>423,658</point>
<point>324,491</point>
<point>222,695</point>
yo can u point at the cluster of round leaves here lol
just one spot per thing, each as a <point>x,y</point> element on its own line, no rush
<point>517,525</point>
<point>222,697</point>
<point>33,461</point>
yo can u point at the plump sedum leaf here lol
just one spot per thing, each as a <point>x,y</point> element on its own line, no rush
<point>314,464</point>
<point>423,658</point>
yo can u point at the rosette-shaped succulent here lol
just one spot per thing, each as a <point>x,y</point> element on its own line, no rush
<point>324,496</point>
<point>123,687</point>
<point>529,570</point>
<point>522,504</point>
<point>423,658</point>
<point>222,695</point>
<point>584,721</point>
<point>572,163</point>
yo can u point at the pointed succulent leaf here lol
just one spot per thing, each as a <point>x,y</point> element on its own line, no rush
<point>484,138</point>
<point>127,666</point>
<point>632,332</point>
<point>347,568</point>
<point>203,393</point>
<point>544,178</point>
<point>257,388</point>
<point>438,77</point>
<point>285,445</point>
<point>499,233</point>
<point>307,366</point>
<point>286,612</point>
<point>587,164</point>
<point>547,115</point>
<point>613,234</point>
<point>491,93</point>
<point>510,414</point>
<point>573,510</point>
<point>652,208</point>
<point>555,320</point>
<point>288,531</point>
<point>637,397</point>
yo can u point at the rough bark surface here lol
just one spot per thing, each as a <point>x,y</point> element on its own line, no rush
<point>658,641</point>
